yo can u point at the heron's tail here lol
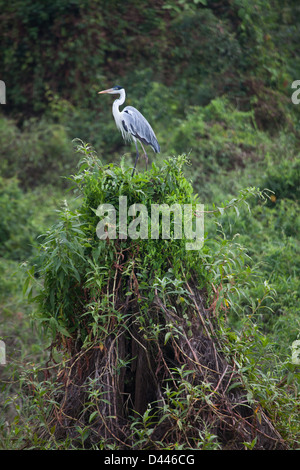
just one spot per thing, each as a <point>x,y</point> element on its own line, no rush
<point>156,147</point>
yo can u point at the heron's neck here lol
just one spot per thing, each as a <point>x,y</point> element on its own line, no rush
<point>118,102</point>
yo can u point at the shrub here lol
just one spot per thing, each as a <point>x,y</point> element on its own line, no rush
<point>17,233</point>
<point>126,313</point>
<point>31,154</point>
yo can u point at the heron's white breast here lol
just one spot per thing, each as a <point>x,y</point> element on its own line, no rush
<point>118,119</point>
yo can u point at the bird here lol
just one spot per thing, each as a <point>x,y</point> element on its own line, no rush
<point>132,124</point>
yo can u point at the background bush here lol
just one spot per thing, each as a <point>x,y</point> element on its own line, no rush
<point>214,80</point>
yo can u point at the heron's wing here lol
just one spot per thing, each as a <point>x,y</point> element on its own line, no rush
<point>135,123</point>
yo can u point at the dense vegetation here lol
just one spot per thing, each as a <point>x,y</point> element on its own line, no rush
<point>214,79</point>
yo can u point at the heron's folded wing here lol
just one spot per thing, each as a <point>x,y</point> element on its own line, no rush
<point>135,123</point>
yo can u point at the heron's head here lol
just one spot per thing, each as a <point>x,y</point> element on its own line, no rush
<point>112,91</point>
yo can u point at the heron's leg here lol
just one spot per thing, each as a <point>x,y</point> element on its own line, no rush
<point>145,155</point>
<point>137,157</point>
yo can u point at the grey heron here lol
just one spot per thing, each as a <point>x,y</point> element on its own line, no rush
<point>132,124</point>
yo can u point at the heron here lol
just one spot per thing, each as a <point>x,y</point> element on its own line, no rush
<point>132,124</point>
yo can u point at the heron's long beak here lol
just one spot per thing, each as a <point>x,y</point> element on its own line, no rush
<point>105,91</point>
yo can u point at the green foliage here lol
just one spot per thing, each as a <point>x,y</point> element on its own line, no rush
<point>73,258</point>
<point>178,408</point>
<point>32,155</point>
<point>271,238</point>
<point>214,80</point>
<point>16,228</point>
<point>202,49</point>
<point>76,265</point>
<point>218,137</point>
<point>64,59</point>
<point>284,180</point>
<point>77,268</point>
